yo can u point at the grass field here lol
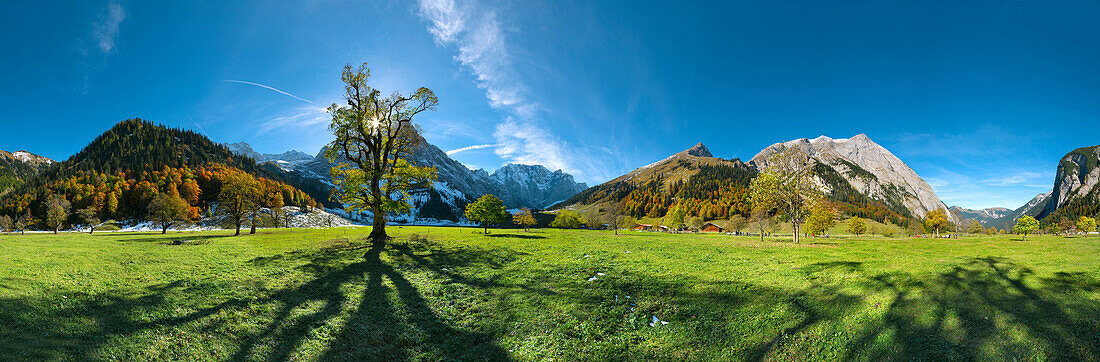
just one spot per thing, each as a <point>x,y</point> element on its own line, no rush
<point>453,293</point>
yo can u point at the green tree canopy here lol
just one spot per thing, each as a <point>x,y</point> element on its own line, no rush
<point>523,217</point>
<point>488,209</point>
<point>1026,225</point>
<point>166,210</point>
<point>567,219</point>
<point>238,198</point>
<point>857,226</point>
<point>57,212</point>
<point>822,217</point>
<point>1086,224</point>
<point>974,227</point>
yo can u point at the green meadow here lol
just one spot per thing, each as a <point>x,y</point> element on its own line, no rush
<point>458,294</point>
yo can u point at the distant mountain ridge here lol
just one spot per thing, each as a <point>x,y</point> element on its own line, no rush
<point>857,174</point>
<point>531,186</point>
<point>16,167</point>
<point>985,217</point>
<point>27,158</point>
<point>1032,208</point>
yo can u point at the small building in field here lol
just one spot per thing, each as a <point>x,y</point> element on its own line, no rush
<point>643,227</point>
<point>663,228</point>
<point>711,228</point>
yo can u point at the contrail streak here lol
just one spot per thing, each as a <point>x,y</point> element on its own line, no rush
<point>268,87</point>
<point>468,148</point>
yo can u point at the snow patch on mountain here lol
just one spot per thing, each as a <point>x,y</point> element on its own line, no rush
<point>27,158</point>
<point>531,186</point>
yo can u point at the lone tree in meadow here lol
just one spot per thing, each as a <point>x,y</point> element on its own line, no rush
<point>238,198</point>
<point>167,210</point>
<point>57,212</point>
<point>786,186</point>
<point>524,218</point>
<point>24,222</point>
<point>1026,225</point>
<point>762,221</point>
<point>89,216</point>
<point>1066,226</point>
<point>488,209</point>
<point>6,223</point>
<point>614,216</point>
<point>822,218</point>
<point>624,222</point>
<point>915,227</point>
<point>936,220</point>
<point>1086,224</point>
<point>374,134</point>
<point>856,226</point>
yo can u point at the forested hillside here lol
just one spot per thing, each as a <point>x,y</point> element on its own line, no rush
<point>121,171</point>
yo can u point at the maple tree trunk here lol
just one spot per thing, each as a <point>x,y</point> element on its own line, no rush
<point>378,231</point>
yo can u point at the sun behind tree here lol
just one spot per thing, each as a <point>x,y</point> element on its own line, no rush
<point>374,134</point>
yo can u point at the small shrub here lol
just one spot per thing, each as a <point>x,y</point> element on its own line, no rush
<point>417,238</point>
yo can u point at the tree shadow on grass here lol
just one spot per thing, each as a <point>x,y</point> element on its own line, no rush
<point>975,310</point>
<point>970,312</point>
<point>177,239</point>
<point>392,320</point>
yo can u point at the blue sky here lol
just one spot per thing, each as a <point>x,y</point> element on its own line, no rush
<point>981,98</point>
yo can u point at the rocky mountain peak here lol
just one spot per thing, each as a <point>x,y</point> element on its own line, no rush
<point>1077,177</point>
<point>243,149</point>
<point>868,167</point>
<point>27,158</point>
<point>699,151</point>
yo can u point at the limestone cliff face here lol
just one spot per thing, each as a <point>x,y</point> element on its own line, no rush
<point>868,167</point>
<point>1076,179</point>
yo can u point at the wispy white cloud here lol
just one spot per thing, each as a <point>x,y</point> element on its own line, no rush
<point>483,49</point>
<point>105,31</point>
<point>527,144</point>
<point>99,43</point>
<point>1024,178</point>
<point>469,148</point>
<point>270,88</point>
<point>308,116</point>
